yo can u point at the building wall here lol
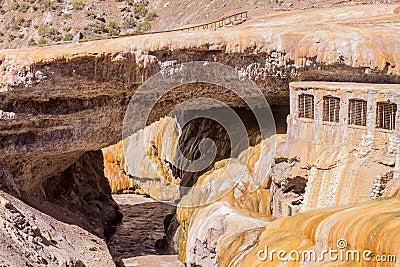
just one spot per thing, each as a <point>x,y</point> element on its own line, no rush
<point>342,163</point>
<point>323,132</point>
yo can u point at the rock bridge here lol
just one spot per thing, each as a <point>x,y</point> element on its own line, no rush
<point>70,99</point>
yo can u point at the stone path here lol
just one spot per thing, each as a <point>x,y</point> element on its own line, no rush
<point>134,241</point>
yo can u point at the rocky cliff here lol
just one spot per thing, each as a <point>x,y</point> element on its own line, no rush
<point>61,102</point>
<point>30,237</point>
<point>58,93</point>
<point>369,226</point>
<point>232,229</point>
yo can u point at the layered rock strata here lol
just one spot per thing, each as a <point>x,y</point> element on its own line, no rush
<point>232,230</point>
<point>64,101</point>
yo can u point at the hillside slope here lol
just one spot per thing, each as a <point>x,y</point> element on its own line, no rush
<point>40,22</point>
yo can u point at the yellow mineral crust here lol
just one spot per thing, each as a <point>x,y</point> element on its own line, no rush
<point>114,162</point>
<point>220,196</point>
<point>148,150</point>
<point>143,155</point>
<point>370,225</point>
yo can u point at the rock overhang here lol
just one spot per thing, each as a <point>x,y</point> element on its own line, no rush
<point>90,84</point>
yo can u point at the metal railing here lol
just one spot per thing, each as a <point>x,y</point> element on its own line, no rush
<point>234,19</point>
<point>228,20</point>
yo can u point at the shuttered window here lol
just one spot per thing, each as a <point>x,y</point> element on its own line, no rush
<point>306,106</point>
<point>358,112</point>
<point>386,115</point>
<point>331,109</point>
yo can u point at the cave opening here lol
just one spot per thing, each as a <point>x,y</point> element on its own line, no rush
<point>74,189</point>
<point>148,227</point>
<point>198,129</point>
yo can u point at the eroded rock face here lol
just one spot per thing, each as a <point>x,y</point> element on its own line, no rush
<point>30,237</point>
<point>241,203</point>
<point>114,169</point>
<point>324,176</point>
<point>144,161</point>
<point>196,130</point>
<point>79,195</point>
<point>71,99</point>
<point>83,189</point>
<point>369,226</point>
<point>68,100</point>
<point>307,174</point>
<point>148,160</point>
<point>205,237</point>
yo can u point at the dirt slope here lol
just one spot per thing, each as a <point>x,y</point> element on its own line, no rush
<point>39,22</point>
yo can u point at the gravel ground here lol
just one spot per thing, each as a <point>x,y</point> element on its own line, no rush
<point>134,241</point>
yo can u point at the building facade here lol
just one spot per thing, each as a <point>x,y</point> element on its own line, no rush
<point>348,134</point>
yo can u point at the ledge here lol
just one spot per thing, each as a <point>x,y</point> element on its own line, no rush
<point>357,127</point>
<point>384,130</point>
<point>306,120</point>
<point>330,123</point>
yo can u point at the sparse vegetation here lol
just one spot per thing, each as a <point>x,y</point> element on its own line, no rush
<point>17,24</point>
<point>20,7</point>
<point>111,28</point>
<point>141,17</point>
<point>68,37</point>
<point>32,42</point>
<point>142,27</point>
<point>140,9</point>
<point>129,23</point>
<point>11,37</point>
<point>14,6</point>
<point>67,16</point>
<point>14,26</point>
<point>56,22</point>
<point>47,5</point>
<point>78,4</point>
<point>23,7</point>
<point>20,21</point>
<point>67,28</point>
<point>42,41</point>
<point>89,13</point>
<point>48,32</point>
<point>151,16</point>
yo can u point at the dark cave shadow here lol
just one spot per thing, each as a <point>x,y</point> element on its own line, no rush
<point>141,227</point>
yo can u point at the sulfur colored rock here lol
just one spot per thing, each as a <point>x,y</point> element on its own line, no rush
<point>114,163</point>
<point>218,210</point>
<point>203,241</point>
<point>70,99</point>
